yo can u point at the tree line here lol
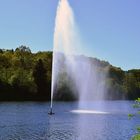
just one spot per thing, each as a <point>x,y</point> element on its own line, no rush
<point>27,76</point>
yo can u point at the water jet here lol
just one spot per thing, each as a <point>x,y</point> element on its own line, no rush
<point>84,75</point>
<point>51,112</point>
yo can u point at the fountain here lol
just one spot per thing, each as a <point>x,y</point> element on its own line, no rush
<point>84,75</point>
<point>51,112</point>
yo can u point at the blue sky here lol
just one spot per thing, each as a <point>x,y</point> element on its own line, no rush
<point>109,28</point>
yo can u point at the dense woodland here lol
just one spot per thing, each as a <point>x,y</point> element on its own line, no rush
<point>27,76</point>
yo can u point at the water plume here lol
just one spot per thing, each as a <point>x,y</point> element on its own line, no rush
<point>86,79</point>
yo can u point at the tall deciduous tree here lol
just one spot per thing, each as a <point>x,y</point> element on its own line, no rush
<point>40,78</point>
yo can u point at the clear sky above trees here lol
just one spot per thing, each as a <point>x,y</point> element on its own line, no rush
<point>109,29</point>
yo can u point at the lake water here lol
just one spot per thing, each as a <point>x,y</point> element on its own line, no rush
<point>96,121</point>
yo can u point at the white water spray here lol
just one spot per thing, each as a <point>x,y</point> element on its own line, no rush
<point>87,81</point>
<point>64,38</point>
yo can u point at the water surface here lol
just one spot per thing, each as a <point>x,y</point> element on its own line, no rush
<point>30,121</point>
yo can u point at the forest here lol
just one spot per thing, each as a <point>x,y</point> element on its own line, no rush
<point>26,76</point>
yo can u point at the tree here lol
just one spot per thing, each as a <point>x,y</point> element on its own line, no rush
<point>23,57</point>
<point>23,48</point>
<point>131,86</point>
<point>25,72</point>
<point>1,51</point>
<point>40,78</point>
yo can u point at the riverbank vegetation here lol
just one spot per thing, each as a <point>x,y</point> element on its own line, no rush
<point>27,76</point>
<point>136,106</point>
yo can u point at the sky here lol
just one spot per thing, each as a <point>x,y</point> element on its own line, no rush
<point>110,29</point>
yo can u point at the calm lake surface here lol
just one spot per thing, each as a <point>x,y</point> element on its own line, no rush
<point>99,121</point>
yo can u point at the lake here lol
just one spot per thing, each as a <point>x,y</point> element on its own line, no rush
<point>104,120</point>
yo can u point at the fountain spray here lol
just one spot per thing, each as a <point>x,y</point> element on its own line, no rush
<point>67,48</point>
<point>63,35</point>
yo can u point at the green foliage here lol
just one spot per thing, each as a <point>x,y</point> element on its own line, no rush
<point>17,81</point>
<point>136,106</point>
<point>124,83</point>
<point>136,137</point>
<point>130,116</point>
<point>27,76</point>
<point>40,79</point>
<point>65,90</point>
